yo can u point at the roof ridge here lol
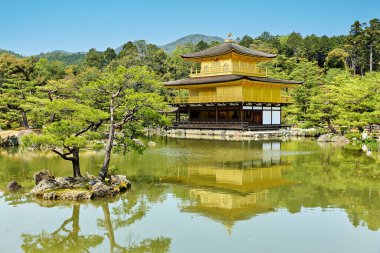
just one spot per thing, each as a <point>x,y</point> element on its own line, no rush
<point>227,78</point>
<point>225,48</point>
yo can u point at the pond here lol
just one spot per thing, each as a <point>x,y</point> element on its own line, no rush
<point>204,196</point>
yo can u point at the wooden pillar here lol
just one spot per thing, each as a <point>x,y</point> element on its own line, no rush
<point>241,114</point>
<point>271,114</point>
<point>188,113</point>
<point>216,113</point>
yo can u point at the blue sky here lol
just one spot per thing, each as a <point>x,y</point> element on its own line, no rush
<point>30,27</point>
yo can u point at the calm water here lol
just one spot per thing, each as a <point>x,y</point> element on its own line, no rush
<point>205,196</point>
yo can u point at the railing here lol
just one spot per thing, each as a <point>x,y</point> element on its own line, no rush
<point>224,70</point>
<point>226,125</point>
<point>211,125</point>
<point>224,99</point>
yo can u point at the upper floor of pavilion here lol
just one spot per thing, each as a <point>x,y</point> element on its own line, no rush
<point>228,58</point>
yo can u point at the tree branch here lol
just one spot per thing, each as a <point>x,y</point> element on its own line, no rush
<point>129,115</point>
<point>49,94</point>
<point>96,126</point>
<point>63,155</point>
<point>68,148</point>
<point>63,225</point>
<point>84,130</point>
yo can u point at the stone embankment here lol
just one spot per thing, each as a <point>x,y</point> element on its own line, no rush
<point>236,135</point>
<point>83,188</point>
<point>333,138</point>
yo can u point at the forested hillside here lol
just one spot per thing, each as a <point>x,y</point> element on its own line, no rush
<point>192,38</point>
<point>66,57</point>
<point>2,51</point>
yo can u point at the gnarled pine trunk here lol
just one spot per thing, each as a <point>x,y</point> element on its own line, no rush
<point>330,125</point>
<point>111,135</point>
<point>75,162</point>
<point>24,119</point>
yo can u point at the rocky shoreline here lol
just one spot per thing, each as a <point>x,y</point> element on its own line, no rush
<point>235,135</point>
<point>82,188</point>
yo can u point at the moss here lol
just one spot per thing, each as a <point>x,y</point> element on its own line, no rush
<point>64,190</point>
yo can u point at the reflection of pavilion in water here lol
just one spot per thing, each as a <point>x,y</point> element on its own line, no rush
<point>233,191</point>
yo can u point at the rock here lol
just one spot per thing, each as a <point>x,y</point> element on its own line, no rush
<point>151,144</point>
<point>43,174</point>
<point>121,181</point>
<point>340,139</point>
<point>68,195</point>
<point>71,182</point>
<point>100,190</point>
<point>9,141</point>
<point>325,138</point>
<point>336,139</point>
<point>115,179</point>
<point>89,176</point>
<point>82,188</point>
<point>138,142</point>
<point>13,186</point>
<point>44,186</point>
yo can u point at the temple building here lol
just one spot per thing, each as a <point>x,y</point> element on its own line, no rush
<point>229,91</point>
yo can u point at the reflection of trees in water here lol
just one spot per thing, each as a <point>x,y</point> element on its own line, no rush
<point>158,245</point>
<point>342,178</point>
<point>63,239</point>
<point>129,209</point>
<point>15,199</point>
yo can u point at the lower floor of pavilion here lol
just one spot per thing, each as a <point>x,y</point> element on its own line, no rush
<point>228,116</point>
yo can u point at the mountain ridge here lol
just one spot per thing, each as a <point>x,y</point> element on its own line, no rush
<point>79,57</point>
<point>193,38</point>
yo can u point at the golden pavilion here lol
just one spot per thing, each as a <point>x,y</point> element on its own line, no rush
<point>229,91</point>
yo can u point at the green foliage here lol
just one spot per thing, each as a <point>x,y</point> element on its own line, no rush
<point>63,133</point>
<point>294,45</point>
<point>201,45</point>
<point>349,101</point>
<point>246,41</point>
<point>17,88</point>
<point>363,46</point>
<point>94,58</point>
<point>46,70</point>
<point>270,39</point>
<point>263,47</point>
<point>114,170</point>
<point>180,68</point>
<point>336,58</point>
